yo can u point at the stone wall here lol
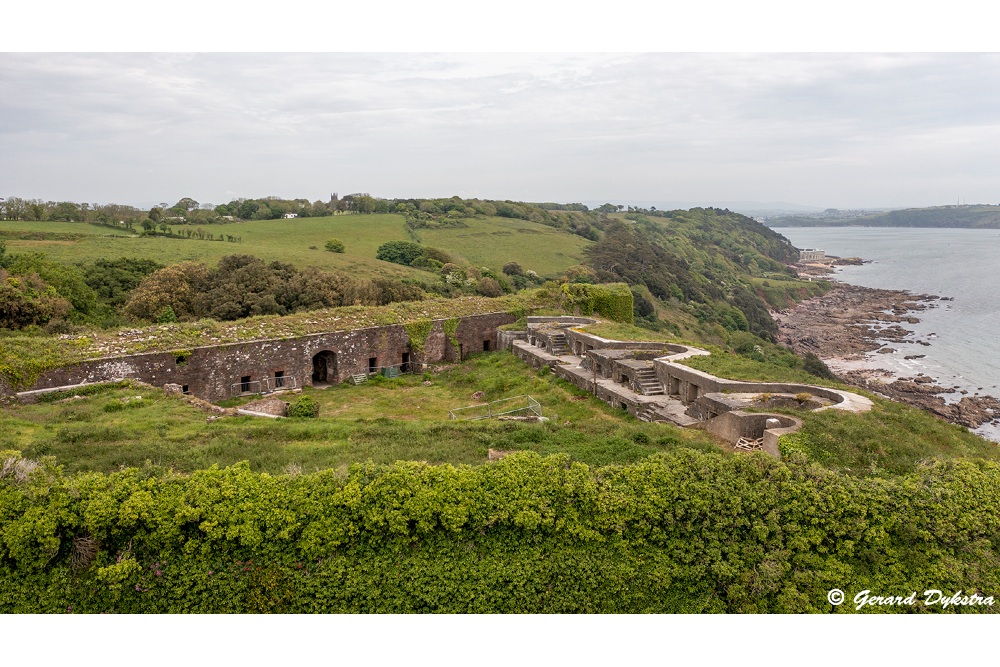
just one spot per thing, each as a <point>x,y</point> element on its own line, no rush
<point>219,372</point>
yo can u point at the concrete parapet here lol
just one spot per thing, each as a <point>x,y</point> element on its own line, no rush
<point>731,426</point>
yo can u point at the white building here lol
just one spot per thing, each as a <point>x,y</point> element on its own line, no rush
<point>807,254</point>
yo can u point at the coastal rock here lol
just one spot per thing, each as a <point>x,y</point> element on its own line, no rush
<point>850,321</point>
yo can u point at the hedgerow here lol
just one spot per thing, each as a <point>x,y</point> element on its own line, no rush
<point>684,532</point>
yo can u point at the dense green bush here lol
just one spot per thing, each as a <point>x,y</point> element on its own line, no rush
<point>334,245</point>
<point>399,252</point>
<point>614,301</point>
<point>684,532</point>
<point>304,406</point>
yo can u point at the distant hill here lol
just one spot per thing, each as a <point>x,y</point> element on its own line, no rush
<point>978,216</point>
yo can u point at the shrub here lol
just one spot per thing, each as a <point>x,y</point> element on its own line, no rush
<point>399,252</point>
<point>513,269</point>
<point>166,315</point>
<point>304,406</point>
<point>334,245</point>
<point>489,287</point>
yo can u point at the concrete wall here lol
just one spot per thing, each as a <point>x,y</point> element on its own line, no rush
<point>690,384</point>
<point>732,426</point>
<point>211,372</point>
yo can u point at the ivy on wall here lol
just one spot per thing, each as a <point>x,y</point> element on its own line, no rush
<point>612,300</point>
<point>450,329</point>
<point>419,331</point>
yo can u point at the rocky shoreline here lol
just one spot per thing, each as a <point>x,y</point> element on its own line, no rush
<point>849,322</point>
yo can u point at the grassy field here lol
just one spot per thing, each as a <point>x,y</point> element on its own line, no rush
<point>385,421</point>
<point>272,240</point>
<point>491,242</point>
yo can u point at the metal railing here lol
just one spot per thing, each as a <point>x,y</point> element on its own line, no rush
<point>263,386</point>
<point>514,405</point>
<point>392,371</point>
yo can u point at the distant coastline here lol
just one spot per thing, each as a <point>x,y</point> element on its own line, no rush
<point>973,216</point>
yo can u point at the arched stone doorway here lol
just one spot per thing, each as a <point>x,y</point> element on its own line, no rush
<point>324,368</point>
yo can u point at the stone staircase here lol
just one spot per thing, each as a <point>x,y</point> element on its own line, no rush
<point>558,345</point>
<point>648,383</point>
<point>648,414</point>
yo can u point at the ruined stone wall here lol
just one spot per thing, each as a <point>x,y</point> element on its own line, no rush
<point>211,372</point>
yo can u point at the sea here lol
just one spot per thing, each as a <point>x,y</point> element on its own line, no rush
<point>963,264</point>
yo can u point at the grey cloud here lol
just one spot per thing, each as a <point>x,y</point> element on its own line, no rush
<point>838,130</point>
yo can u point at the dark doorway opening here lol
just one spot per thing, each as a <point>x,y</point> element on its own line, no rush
<point>406,362</point>
<point>279,379</point>
<point>486,346</point>
<point>324,368</point>
<point>372,364</point>
<point>244,384</point>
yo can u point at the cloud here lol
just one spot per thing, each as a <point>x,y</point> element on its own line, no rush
<point>836,130</point>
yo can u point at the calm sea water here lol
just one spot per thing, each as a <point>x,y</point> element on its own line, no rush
<point>959,263</point>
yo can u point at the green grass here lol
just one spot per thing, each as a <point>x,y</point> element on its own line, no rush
<point>488,242</point>
<point>737,367</point>
<point>272,240</point>
<point>892,438</point>
<point>619,331</point>
<point>493,242</point>
<point>384,422</point>
<point>783,294</point>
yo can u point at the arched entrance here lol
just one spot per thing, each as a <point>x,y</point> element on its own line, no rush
<point>324,368</point>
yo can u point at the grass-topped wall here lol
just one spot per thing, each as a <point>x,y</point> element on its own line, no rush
<point>24,358</point>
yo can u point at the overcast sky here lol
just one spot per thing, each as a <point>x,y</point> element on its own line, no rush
<point>839,130</point>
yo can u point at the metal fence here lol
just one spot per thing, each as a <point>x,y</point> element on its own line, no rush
<point>515,405</point>
<point>263,386</point>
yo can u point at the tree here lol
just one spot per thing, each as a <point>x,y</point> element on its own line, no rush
<point>489,287</point>
<point>399,252</point>
<point>113,279</point>
<point>156,214</point>
<point>15,208</point>
<point>513,269</point>
<point>26,300</point>
<point>173,286</point>
<point>335,245</point>
<point>66,211</point>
